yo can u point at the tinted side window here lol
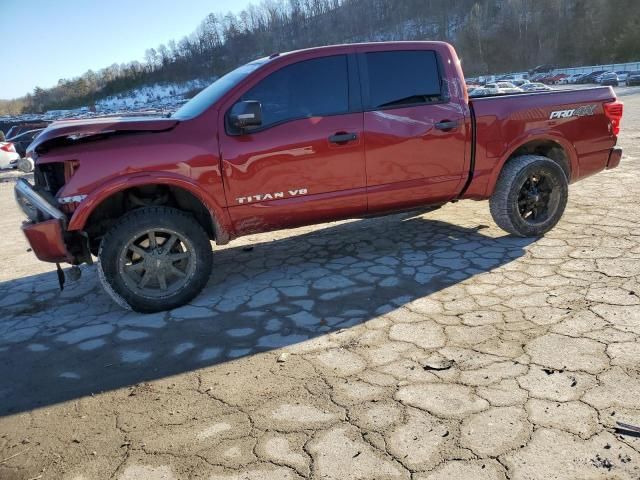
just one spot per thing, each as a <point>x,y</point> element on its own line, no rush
<point>399,78</point>
<point>309,88</point>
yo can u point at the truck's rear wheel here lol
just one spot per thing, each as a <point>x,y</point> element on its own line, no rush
<point>155,259</point>
<point>530,196</point>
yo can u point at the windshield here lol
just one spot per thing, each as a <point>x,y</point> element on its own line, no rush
<point>216,90</point>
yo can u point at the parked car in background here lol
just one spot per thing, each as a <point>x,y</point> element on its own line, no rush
<point>591,77</point>
<point>483,92</point>
<point>584,78</point>
<point>609,78</point>
<point>8,155</point>
<point>504,87</point>
<point>570,79</point>
<point>555,79</point>
<point>536,87</point>
<point>22,141</point>
<point>548,79</point>
<point>519,83</point>
<point>633,79</point>
<point>24,127</point>
<point>622,76</point>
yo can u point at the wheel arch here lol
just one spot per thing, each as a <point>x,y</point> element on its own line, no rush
<point>557,149</point>
<point>110,201</point>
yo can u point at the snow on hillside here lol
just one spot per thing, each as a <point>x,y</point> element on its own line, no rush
<point>158,98</point>
<point>151,96</point>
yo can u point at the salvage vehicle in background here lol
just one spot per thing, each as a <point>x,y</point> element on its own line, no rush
<point>8,155</point>
<point>23,127</point>
<point>536,87</point>
<point>483,92</point>
<point>633,79</point>
<point>591,77</point>
<point>609,78</point>
<point>302,138</point>
<point>503,87</point>
<point>23,140</point>
<point>554,79</point>
<point>622,75</point>
<point>569,79</point>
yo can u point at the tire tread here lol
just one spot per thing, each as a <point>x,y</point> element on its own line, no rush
<point>141,215</point>
<point>502,210</point>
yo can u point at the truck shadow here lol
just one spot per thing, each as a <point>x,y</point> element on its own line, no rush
<point>57,346</point>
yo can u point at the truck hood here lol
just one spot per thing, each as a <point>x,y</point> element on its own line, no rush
<point>69,132</point>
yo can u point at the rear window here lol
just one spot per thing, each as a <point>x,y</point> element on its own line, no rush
<point>400,78</point>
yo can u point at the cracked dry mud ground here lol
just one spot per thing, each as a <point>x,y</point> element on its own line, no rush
<point>424,347</point>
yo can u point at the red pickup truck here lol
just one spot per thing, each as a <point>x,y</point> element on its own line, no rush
<point>301,138</point>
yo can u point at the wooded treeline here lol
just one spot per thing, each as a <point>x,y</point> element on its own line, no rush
<point>491,36</point>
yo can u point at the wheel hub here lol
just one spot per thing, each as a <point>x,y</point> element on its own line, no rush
<point>157,262</point>
<point>534,198</point>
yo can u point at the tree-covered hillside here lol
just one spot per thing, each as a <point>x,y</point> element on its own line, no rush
<point>491,36</point>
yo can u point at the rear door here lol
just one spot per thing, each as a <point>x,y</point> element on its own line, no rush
<point>305,163</point>
<point>414,133</point>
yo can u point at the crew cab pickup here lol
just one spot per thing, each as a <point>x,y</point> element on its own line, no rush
<point>301,138</point>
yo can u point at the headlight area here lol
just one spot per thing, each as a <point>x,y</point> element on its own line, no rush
<point>69,204</point>
<point>50,178</point>
<point>47,231</point>
<point>35,205</point>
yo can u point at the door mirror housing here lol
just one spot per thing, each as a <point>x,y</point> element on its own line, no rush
<point>246,114</point>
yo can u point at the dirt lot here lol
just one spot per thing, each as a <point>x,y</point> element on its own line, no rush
<point>422,347</point>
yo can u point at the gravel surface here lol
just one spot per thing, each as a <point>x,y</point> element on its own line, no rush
<point>406,347</point>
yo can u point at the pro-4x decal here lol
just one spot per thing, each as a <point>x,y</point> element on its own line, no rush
<point>582,111</point>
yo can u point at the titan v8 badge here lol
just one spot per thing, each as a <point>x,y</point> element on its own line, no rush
<point>263,197</point>
<point>582,111</point>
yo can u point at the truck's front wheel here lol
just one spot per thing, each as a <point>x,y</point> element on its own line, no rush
<point>530,196</point>
<point>154,259</point>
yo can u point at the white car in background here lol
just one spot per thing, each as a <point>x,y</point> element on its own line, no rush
<point>8,155</point>
<point>483,92</point>
<point>570,79</point>
<point>536,87</point>
<point>504,87</point>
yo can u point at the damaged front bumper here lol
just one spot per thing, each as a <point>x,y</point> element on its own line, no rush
<point>47,227</point>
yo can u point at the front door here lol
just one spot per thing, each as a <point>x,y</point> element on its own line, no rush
<point>305,163</point>
<point>415,137</point>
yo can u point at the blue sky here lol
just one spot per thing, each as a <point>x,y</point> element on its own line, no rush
<point>45,40</point>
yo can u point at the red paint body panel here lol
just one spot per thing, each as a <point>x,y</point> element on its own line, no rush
<point>289,157</point>
<point>102,125</point>
<point>504,124</point>
<point>411,163</point>
<point>46,240</point>
<point>398,160</point>
<point>186,157</point>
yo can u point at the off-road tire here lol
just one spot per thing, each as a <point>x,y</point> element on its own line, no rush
<point>137,222</point>
<point>504,201</point>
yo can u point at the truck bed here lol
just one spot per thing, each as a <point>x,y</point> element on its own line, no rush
<point>574,120</point>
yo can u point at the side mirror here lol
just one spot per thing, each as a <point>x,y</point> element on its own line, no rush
<point>246,114</point>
